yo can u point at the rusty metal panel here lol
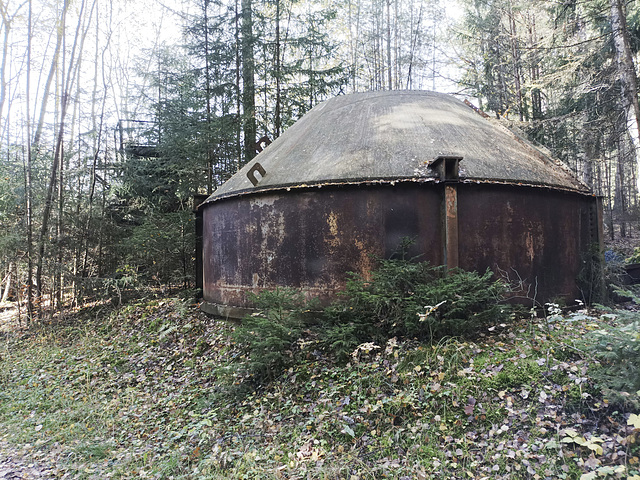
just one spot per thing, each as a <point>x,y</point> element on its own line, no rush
<point>537,236</point>
<point>310,239</point>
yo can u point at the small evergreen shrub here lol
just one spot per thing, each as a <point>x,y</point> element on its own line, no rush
<point>635,256</point>
<point>617,348</point>
<point>401,299</point>
<point>595,275</point>
<point>269,337</point>
<point>409,299</point>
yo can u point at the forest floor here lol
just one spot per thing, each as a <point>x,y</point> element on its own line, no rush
<point>21,463</point>
<point>148,391</point>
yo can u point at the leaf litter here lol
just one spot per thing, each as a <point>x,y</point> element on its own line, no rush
<point>150,391</point>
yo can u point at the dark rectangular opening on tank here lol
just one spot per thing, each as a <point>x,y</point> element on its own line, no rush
<point>447,167</point>
<point>451,169</point>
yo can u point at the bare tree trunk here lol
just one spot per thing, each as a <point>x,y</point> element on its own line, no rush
<point>59,230</point>
<point>207,79</point>
<point>80,269</point>
<point>277,65</point>
<point>609,196</point>
<point>354,36</point>
<point>53,178</point>
<point>515,59</point>
<point>433,53</point>
<point>627,75</point>
<point>7,285</point>
<point>414,45</point>
<point>27,176</point>
<point>620,205</point>
<point>379,54</point>
<point>534,70</point>
<point>50,76</point>
<point>312,80</point>
<point>248,82</point>
<point>238,52</point>
<point>93,176</point>
<point>396,46</point>
<point>66,85</point>
<point>7,24</point>
<point>7,80</point>
<point>389,60</point>
<point>589,145</point>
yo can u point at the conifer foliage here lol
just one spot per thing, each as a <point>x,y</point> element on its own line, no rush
<point>565,73</point>
<point>102,148</point>
<point>402,299</point>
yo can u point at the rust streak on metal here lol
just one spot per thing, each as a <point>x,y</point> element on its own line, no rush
<point>451,225</point>
<point>476,109</point>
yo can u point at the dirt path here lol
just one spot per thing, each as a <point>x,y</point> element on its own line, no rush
<point>16,464</point>
<point>8,319</point>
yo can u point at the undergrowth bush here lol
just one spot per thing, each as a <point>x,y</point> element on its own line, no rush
<point>414,300</point>
<point>402,299</point>
<point>269,336</point>
<point>595,275</point>
<point>635,256</point>
<point>618,350</point>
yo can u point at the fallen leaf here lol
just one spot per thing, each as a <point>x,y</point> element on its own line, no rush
<point>588,476</point>
<point>348,430</point>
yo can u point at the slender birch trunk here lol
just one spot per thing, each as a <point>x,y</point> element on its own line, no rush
<point>66,86</point>
<point>7,284</point>
<point>627,76</point>
<point>27,176</point>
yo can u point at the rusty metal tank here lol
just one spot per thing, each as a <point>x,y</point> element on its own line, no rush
<point>359,173</point>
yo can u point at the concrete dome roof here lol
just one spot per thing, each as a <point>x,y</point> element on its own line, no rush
<point>394,136</point>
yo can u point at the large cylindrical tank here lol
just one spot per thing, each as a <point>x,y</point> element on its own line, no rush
<point>359,173</point>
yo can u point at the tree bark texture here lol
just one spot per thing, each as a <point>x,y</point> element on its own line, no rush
<point>627,75</point>
<point>248,82</point>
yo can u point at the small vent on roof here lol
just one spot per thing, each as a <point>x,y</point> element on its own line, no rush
<point>447,167</point>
